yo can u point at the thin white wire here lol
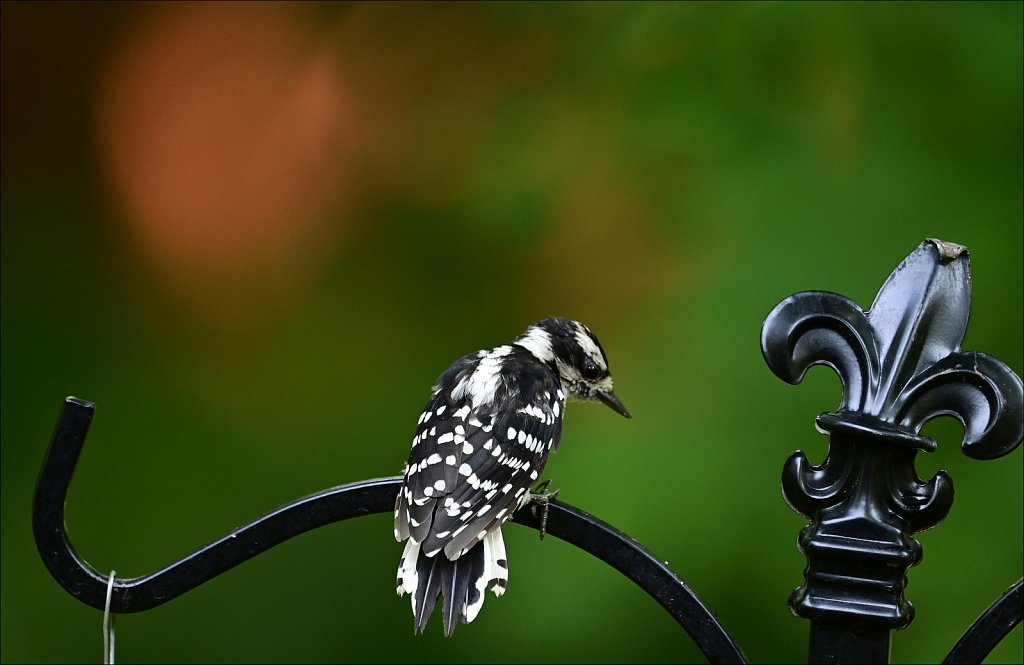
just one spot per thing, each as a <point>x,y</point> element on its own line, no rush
<point>108,625</point>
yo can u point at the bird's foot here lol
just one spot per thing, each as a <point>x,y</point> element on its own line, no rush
<point>539,498</point>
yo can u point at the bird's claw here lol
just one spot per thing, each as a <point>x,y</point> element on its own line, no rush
<point>540,498</point>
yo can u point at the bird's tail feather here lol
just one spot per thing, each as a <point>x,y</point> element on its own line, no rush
<point>461,582</point>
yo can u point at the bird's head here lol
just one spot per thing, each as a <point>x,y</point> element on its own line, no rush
<point>573,351</point>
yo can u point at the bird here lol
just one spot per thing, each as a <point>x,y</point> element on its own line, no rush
<point>480,445</point>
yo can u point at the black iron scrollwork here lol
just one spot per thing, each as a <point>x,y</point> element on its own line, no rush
<point>901,365</point>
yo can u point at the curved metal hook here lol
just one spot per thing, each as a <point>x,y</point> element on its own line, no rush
<point>333,505</point>
<point>142,593</point>
<point>990,628</point>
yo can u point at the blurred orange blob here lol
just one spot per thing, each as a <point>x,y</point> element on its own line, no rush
<point>221,126</point>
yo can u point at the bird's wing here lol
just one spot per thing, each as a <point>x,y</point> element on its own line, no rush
<point>506,453</point>
<point>431,470</point>
<point>470,469</point>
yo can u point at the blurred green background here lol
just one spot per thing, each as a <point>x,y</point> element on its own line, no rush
<point>254,235</point>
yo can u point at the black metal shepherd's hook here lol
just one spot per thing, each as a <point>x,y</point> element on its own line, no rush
<point>333,505</point>
<point>900,363</point>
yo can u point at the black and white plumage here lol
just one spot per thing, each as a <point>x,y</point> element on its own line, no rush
<point>481,443</point>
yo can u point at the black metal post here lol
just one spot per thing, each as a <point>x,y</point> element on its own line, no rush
<point>841,641</point>
<point>901,365</point>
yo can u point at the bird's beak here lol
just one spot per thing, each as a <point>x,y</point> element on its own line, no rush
<point>609,398</point>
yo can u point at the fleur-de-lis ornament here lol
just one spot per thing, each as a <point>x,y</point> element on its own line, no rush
<point>901,365</point>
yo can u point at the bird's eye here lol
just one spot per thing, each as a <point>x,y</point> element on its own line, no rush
<point>590,369</point>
